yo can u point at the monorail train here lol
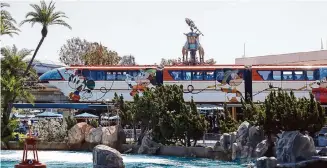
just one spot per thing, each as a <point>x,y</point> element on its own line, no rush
<point>206,84</point>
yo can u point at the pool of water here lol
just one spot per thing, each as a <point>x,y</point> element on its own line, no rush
<point>69,159</point>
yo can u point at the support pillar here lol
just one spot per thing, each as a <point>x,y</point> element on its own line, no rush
<point>234,113</point>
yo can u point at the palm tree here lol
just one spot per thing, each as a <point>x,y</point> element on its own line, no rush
<point>7,22</point>
<point>44,15</point>
<point>12,82</point>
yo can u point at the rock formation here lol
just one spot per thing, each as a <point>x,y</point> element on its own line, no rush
<point>94,136</point>
<point>113,136</point>
<point>148,146</point>
<point>78,132</point>
<point>243,143</point>
<point>294,146</point>
<point>106,157</point>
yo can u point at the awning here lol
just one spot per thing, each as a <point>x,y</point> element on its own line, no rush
<point>86,115</point>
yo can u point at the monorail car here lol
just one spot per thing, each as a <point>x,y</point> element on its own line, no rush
<point>206,84</point>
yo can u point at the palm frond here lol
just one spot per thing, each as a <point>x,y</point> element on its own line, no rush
<point>45,15</point>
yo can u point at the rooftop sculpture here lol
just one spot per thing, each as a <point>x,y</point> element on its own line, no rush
<point>193,44</point>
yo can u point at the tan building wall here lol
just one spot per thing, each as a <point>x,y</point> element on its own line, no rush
<point>308,58</point>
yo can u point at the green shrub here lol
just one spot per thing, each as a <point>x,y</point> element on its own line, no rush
<point>70,122</point>
<point>94,123</point>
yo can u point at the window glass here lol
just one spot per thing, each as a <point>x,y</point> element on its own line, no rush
<point>111,75</point>
<point>310,75</point>
<point>265,75</point>
<point>100,75</point>
<point>176,75</point>
<point>287,75</point>
<point>209,75</point>
<point>51,75</point>
<point>197,75</point>
<point>220,75</point>
<point>187,75</point>
<point>120,76</point>
<point>277,75</point>
<point>86,73</point>
<point>298,75</point>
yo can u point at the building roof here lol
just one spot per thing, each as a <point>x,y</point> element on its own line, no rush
<point>308,58</point>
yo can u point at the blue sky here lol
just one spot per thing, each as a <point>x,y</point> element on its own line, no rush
<point>154,30</point>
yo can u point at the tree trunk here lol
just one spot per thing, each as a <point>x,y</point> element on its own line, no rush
<point>134,129</point>
<point>271,145</point>
<point>143,129</point>
<point>36,50</point>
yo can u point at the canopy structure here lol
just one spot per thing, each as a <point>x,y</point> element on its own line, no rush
<point>48,114</point>
<point>85,116</point>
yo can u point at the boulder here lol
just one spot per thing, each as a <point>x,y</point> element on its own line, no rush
<point>242,133</point>
<point>148,146</point>
<point>113,136</point>
<point>3,146</point>
<point>255,136</point>
<point>233,137</point>
<point>261,148</point>
<point>106,157</point>
<point>322,152</point>
<point>94,136</point>
<point>76,134</point>
<point>225,141</point>
<point>294,146</point>
<point>265,162</point>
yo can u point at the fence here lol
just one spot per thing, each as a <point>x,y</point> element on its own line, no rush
<point>209,139</point>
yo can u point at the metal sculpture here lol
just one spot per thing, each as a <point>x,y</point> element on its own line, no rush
<point>193,43</point>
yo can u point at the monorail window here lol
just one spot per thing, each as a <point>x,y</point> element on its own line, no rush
<point>86,73</point>
<point>287,75</point>
<point>310,75</point>
<point>277,75</point>
<point>209,75</point>
<point>120,76</point>
<point>187,75</point>
<point>265,75</point>
<point>197,75</point>
<point>220,75</point>
<point>111,75</point>
<point>298,75</point>
<point>100,75</point>
<point>176,75</point>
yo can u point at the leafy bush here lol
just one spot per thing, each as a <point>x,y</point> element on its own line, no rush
<point>282,111</point>
<point>94,123</point>
<point>164,111</point>
<point>228,124</point>
<point>53,130</point>
<point>70,122</point>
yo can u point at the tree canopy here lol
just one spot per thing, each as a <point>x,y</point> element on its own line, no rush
<point>73,51</point>
<point>8,26</point>
<point>12,80</point>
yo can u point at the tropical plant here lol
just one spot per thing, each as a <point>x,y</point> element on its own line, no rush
<point>45,15</point>
<point>7,22</point>
<point>13,82</point>
<point>100,55</point>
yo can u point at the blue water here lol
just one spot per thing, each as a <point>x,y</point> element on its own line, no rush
<point>69,159</point>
